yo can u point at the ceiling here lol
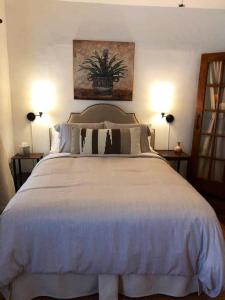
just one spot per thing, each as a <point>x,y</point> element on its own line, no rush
<point>206,4</point>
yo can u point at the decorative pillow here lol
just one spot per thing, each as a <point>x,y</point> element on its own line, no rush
<point>54,138</point>
<point>106,141</point>
<point>65,133</point>
<point>145,132</point>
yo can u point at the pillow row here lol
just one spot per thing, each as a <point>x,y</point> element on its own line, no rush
<point>103,138</point>
<point>106,141</point>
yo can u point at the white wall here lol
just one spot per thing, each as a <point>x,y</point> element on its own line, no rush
<point>169,42</point>
<point>6,127</point>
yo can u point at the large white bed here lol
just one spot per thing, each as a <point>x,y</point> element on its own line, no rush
<point>82,225</point>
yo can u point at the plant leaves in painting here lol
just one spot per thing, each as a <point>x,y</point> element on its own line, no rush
<point>101,66</point>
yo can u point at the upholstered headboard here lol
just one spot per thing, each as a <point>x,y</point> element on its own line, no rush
<point>103,112</point>
<point>106,112</point>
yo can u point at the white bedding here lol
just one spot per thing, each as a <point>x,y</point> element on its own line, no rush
<point>110,215</point>
<point>68,286</point>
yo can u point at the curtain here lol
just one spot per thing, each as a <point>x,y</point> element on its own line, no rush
<point>7,189</point>
<point>214,77</point>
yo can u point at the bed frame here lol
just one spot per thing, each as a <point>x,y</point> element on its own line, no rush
<point>106,112</point>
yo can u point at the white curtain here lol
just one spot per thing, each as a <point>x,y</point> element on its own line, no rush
<point>7,189</point>
<point>214,77</point>
<point>220,143</point>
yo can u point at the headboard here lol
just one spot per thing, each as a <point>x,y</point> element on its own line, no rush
<point>106,112</point>
<point>103,112</point>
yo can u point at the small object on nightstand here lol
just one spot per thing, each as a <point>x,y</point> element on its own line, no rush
<point>170,155</point>
<point>25,149</point>
<point>178,148</point>
<point>17,159</point>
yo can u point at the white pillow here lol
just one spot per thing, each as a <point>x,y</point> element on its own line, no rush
<point>64,130</point>
<point>55,140</point>
<point>149,141</point>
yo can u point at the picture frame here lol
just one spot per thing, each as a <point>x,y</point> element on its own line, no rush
<point>103,70</point>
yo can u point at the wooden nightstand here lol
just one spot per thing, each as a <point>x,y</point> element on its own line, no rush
<point>16,159</point>
<point>170,155</point>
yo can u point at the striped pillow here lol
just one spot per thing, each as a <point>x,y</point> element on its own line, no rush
<point>106,141</point>
<point>145,132</point>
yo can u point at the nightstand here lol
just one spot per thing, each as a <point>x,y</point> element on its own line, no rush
<point>170,155</point>
<point>16,160</point>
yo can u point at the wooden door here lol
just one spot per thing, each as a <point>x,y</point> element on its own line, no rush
<point>208,149</point>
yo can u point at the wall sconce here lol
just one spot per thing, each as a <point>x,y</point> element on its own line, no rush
<point>181,5</point>
<point>31,116</point>
<point>169,118</point>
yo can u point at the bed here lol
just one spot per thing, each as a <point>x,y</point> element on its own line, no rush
<point>113,224</point>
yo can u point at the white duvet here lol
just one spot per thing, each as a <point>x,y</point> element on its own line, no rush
<point>110,215</point>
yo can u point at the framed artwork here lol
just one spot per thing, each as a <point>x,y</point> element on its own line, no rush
<point>103,70</point>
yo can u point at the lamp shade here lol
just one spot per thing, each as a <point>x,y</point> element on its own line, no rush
<point>169,118</point>
<point>31,116</point>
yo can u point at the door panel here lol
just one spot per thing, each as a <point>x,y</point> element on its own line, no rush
<point>211,97</point>
<point>222,99</point>
<point>215,72</point>
<point>220,128</point>
<point>206,145</point>
<point>219,148</point>
<point>203,168</point>
<point>208,122</point>
<point>208,150</point>
<point>218,171</point>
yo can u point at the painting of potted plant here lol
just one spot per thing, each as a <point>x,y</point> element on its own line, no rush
<point>103,70</point>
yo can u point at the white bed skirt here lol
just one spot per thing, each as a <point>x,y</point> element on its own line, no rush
<point>29,286</point>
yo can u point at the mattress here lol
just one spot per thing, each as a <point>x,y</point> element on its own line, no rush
<point>111,215</point>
